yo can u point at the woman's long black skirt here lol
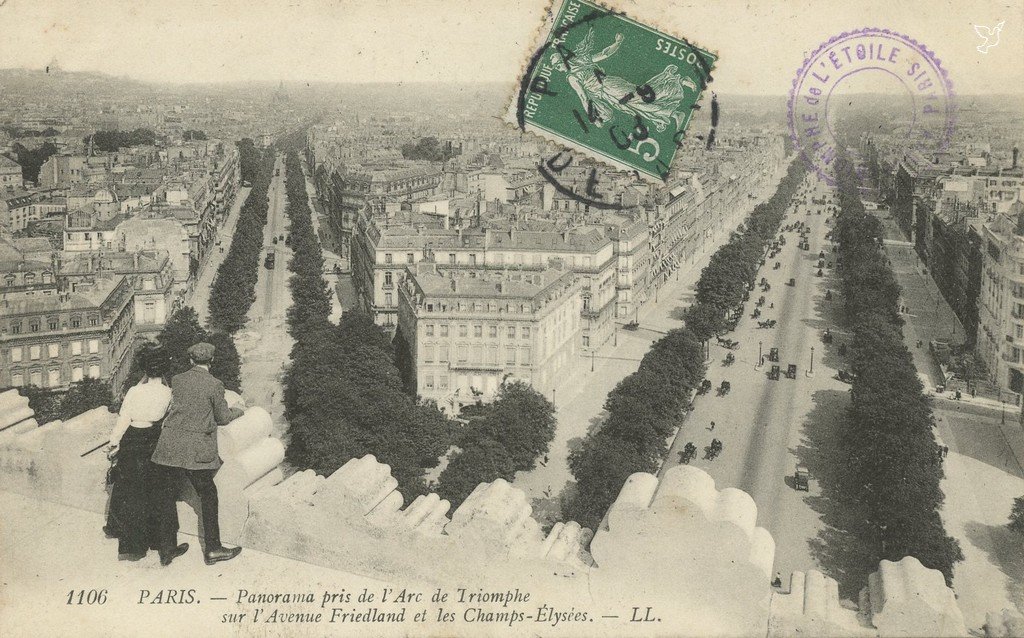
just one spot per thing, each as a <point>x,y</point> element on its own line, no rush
<point>134,496</point>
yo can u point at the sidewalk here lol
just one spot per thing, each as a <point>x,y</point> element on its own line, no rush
<point>579,398</point>
<point>199,296</point>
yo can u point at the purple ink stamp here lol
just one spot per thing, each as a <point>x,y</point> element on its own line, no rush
<point>862,61</point>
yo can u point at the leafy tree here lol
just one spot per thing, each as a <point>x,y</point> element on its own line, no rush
<point>481,460</point>
<point>190,136</point>
<point>522,420</point>
<point>45,403</point>
<point>601,466</point>
<point>1016,523</point>
<point>85,395</point>
<point>227,364</point>
<point>704,320</point>
<point>111,141</point>
<point>32,159</point>
<point>427,148</point>
<point>181,331</point>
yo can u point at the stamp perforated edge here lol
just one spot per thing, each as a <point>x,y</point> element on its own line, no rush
<point>540,36</point>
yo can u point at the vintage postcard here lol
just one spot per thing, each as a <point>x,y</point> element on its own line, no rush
<point>562,318</point>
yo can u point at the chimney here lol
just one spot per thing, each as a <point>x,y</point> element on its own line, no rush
<point>135,260</point>
<point>1016,154</point>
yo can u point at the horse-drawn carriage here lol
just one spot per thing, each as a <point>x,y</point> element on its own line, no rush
<point>632,325</point>
<point>760,300</point>
<point>773,374</point>
<point>826,337</point>
<point>773,354</point>
<point>845,377</point>
<point>729,359</point>
<point>767,323</point>
<point>704,386</point>
<point>728,343</point>
<point>688,452</point>
<point>801,478</point>
<point>724,388</point>
<point>791,371</point>
<point>713,450</point>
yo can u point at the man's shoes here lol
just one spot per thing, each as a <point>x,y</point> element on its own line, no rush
<point>218,555</point>
<point>166,558</point>
<point>131,556</point>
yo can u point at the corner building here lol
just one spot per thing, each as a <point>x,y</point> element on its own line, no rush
<point>469,330</point>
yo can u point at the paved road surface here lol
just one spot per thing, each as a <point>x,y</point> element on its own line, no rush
<point>200,295</point>
<point>760,422</point>
<point>264,343</point>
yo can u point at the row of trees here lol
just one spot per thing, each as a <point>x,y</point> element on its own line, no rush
<point>114,140</point>
<point>428,148</point>
<point>644,408</point>
<point>250,159</point>
<point>892,466</point>
<point>343,395</point>
<point>234,290</point>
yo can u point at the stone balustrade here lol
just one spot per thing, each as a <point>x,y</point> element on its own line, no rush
<point>679,545</point>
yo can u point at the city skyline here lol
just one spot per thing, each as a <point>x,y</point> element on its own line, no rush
<point>194,43</point>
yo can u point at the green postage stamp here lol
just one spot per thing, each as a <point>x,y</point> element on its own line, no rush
<point>612,88</point>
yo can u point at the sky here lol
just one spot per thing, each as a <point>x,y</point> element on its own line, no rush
<point>761,43</point>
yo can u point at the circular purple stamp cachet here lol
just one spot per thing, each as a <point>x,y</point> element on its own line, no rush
<point>905,78</point>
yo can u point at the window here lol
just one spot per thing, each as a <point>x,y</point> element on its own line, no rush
<point>586,341</point>
<point>15,328</point>
<point>94,346</point>
<point>33,352</point>
<point>388,278</point>
<point>472,260</point>
<point>388,299</point>
<point>388,259</point>
<point>53,379</point>
<point>428,381</point>
<point>94,371</point>
<point>510,356</point>
<point>429,329</point>
<point>524,356</point>
<point>442,353</point>
<point>428,354</point>
<point>478,354</point>
<point>444,330</point>
<point>526,332</point>
<point>94,321</point>
<point>492,355</point>
<point>33,325</point>
<point>76,347</point>
<point>442,382</point>
<point>15,355</point>
<point>36,378</point>
<point>478,330</point>
<point>409,258</point>
<point>53,350</point>
<point>17,380</point>
<point>76,322</point>
<point>463,330</point>
<point>76,374</point>
<point>463,353</point>
<point>52,323</point>
<point>492,331</point>
<point>451,258</point>
<point>511,332</point>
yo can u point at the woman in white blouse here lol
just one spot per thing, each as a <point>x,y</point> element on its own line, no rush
<point>132,517</point>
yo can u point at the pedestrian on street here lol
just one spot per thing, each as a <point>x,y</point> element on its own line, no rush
<point>187,450</point>
<point>712,428</point>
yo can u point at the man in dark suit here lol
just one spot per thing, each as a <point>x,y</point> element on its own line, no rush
<point>187,449</point>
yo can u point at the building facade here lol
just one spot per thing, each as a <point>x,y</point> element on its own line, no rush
<point>470,330</point>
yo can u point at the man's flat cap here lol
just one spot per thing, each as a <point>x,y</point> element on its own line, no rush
<point>201,352</point>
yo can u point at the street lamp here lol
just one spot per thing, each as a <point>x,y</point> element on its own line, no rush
<point>810,372</point>
<point>760,356</point>
<point>591,360</point>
